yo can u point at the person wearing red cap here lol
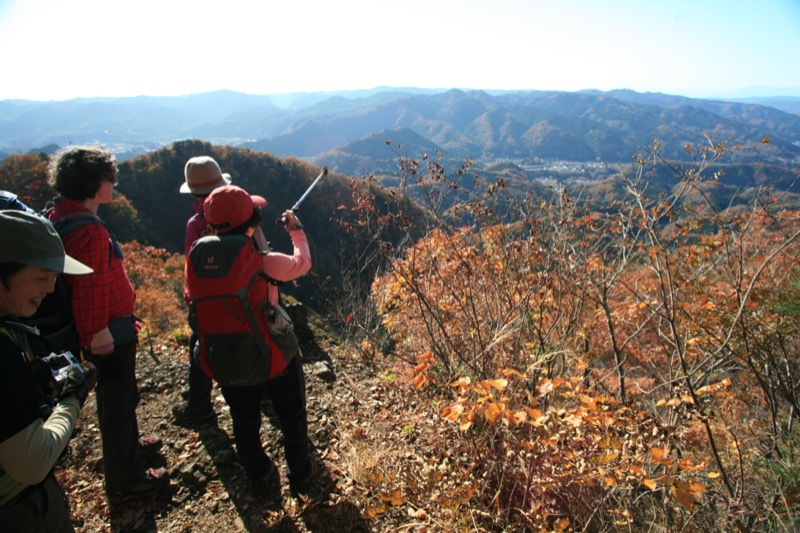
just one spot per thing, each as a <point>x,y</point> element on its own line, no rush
<point>231,211</point>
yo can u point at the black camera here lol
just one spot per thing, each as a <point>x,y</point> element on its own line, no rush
<point>60,364</point>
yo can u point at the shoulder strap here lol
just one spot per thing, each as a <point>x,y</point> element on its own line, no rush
<point>18,333</point>
<point>66,225</point>
<point>69,223</point>
<point>5,331</point>
<point>248,310</point>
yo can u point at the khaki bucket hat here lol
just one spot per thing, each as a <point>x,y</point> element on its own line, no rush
<point>203,175</point>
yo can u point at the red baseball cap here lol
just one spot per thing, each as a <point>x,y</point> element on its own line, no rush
<point>230,206</point>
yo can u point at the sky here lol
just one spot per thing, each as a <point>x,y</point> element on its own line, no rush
<point>64,49</point>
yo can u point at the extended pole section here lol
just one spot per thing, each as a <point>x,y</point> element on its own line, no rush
<point>282,221</point>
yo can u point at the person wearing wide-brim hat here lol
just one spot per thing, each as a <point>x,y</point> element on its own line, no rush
<point>202,175</point>
<point>33,431</point>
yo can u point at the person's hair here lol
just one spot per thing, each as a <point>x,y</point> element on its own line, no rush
<point>7,270</point>
<point>241,229</point>
<point>76,172</point>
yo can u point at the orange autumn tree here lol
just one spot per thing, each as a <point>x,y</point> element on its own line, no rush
<point>621,367</point>
<point>157,277</point>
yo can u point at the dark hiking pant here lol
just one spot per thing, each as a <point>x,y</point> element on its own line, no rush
<point>199,383</point>
<point>288,394</point>
<point>117,398</point>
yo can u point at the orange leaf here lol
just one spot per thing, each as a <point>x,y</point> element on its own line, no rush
<point>534,413</point>
<point>462,382</point>
<point>419,381</point>
<point>680,491</point>
<point>452,412</point>
<point>374,510</point>
<point>512,372</point>
<point>696,487</point>
<point>637,470</point>
<point>394,499</point>
<point>493,412</point>
<point>499,384</point>
<point>575,419</point>
<point>589,403</point>
<point>658,453</point>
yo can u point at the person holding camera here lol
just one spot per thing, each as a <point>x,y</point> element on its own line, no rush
<point>38,416</point>
<point>102,307</point>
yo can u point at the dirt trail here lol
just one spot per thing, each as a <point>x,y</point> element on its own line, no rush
<point>208,491</point>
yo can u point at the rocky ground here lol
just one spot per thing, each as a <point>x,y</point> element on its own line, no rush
<point>358,434</point>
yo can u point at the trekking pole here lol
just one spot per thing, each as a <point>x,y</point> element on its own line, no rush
<point>282,221</point>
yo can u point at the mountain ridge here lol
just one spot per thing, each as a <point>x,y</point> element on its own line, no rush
<point>526,126</point>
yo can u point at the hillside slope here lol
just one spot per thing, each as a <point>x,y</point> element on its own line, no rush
<point>359,438</point>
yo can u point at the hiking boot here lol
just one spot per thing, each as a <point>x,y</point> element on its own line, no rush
<point>186,412</point>
<point>149,447</point>
<point>154,480</point>
<point>305,488</point>
<point>268,483</point>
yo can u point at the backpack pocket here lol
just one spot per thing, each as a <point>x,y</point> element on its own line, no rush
<point>235,359</point>
<point>278,321</point>
<point>281,331</point>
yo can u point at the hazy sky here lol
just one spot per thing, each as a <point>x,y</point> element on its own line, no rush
<point>62,49</point>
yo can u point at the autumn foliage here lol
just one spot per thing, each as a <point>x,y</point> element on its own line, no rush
<point>606,370</point>
<point>157,277</point>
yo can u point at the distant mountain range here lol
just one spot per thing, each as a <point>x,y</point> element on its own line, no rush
<point>349,131</point>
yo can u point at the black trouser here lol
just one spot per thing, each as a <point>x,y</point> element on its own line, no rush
<point>117,398</point>
<point>288,394</point>
<point>199,383</point>
<point>42,509</point>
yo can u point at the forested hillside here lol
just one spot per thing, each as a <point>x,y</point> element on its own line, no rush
<point>149,209</point>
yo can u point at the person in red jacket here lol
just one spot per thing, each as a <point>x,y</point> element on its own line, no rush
<point>102,305</point>
<point>202,175</point>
